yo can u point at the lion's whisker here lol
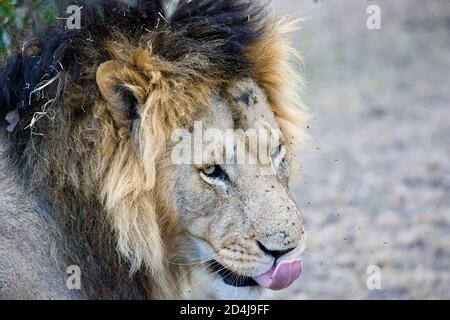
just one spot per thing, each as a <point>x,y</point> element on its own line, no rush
<point>193,266</point>
<point>207,276</point>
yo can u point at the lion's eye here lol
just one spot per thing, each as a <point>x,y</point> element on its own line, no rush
<point>213,172</point>
<point>209,170</point>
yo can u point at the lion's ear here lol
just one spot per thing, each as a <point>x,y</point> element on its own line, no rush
<point>124,90</point>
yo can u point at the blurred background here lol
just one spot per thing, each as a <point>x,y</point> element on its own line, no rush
<point>376,188</point>
<point>376,172</point>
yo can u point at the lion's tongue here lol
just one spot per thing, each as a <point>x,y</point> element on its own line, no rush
<point>280,276</point>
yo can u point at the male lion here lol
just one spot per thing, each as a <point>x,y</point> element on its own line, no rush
<point>88,185</point>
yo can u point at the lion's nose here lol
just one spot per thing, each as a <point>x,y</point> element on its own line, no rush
<point>274,253</point>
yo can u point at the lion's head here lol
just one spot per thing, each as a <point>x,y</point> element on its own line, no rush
<point>240,214</point>
<point>109,150</point>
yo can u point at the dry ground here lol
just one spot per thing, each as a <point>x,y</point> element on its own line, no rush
<point>376,187</point>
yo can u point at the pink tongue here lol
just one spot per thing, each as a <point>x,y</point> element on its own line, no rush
<point>280,276</point>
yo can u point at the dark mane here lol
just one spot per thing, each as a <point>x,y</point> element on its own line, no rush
<point>191,28</point>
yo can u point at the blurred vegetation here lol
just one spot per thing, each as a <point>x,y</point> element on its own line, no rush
<point>19,16</point>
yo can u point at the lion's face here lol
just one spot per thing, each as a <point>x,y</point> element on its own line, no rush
<point>241,216</point>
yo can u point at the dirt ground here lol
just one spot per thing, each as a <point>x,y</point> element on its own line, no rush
<point>376,187</point>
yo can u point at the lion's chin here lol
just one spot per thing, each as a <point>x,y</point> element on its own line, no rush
<point>225,291</point>
<point>207,285</point>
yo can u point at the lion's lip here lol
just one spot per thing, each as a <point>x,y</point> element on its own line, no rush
<point>231,278</point>
<point>281,275</point>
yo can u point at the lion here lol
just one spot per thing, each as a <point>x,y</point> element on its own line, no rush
<point>89,187</point>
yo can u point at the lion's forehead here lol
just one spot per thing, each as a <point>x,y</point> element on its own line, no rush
<point>240,114</point>
<point>244,106</point>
